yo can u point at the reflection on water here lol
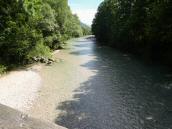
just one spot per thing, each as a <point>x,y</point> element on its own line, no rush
<point>125,93</point>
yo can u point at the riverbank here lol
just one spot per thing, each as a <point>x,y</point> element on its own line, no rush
<point>18,89</point>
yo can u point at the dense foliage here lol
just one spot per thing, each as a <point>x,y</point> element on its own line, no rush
<point>143,27</point>
<point>31,28</point>
<point>86,29</point>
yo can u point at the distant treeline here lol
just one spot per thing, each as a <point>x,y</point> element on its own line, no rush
<point>143,27</point>
<point>31,28</point>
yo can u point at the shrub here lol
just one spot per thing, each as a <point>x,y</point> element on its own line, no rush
<point>2,69</point>
<point>40,50</point>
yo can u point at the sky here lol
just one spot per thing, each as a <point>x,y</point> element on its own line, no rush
<point>85,9</point>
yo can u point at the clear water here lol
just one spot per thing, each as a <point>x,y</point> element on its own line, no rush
<point>123,92</point>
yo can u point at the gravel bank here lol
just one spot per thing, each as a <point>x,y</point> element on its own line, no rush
<point>18,89</point>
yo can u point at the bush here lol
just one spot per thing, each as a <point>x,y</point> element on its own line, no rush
<point>40,50</point>
<point>2,69</point>
<point>31,28</point>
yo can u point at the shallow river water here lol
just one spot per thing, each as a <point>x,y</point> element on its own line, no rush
<point>110,90</point>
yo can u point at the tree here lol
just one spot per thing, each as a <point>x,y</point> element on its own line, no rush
<point>32,27</point>
<point>136,26</point>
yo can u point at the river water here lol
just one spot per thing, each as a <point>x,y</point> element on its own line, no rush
<point>111,90</point>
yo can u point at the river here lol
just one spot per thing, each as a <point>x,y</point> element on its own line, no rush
<point>97,87</point>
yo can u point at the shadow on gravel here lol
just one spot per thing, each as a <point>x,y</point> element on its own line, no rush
<point>124,94</point>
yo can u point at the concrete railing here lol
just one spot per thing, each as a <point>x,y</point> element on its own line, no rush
<point>13,119</point>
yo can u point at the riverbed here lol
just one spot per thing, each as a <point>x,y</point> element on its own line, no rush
<point>95,87</point>
<point>19,89</point>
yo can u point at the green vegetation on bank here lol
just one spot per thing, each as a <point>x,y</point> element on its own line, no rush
<point>143,27</point>
<point>31,28</point>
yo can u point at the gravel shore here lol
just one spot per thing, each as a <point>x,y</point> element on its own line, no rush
<point>18,89</point>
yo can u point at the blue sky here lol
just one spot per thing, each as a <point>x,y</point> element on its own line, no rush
<point>85,9</point>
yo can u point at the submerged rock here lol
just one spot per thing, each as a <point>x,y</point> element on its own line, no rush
<point>149,118</point>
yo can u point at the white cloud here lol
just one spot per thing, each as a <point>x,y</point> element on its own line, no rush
<point>85,15</point>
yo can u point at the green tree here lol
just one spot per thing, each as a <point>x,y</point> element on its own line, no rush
<point>32,27</point>
<point>137,26</point>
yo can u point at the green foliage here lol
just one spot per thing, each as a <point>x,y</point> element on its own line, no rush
<point>32,27</point>
<point>39,50</point>
<point>140,26</point>
<point>73,29</point>
<point>86,29</point>
<point>2,69</point>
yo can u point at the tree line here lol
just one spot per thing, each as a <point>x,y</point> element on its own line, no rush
<point>143,27</point>
<point>31,28</point>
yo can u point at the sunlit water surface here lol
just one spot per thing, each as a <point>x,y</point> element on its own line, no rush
<point>113,90</point>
